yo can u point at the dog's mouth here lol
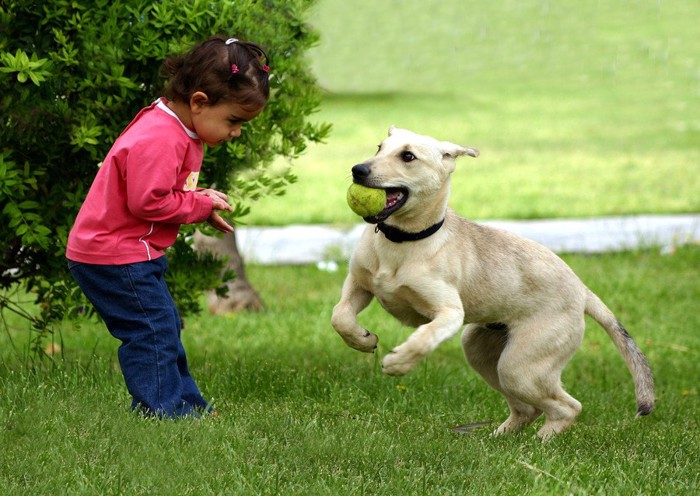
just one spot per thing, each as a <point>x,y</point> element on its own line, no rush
<point>395,199</point>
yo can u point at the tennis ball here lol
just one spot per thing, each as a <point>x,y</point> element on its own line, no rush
<point>365,201</point>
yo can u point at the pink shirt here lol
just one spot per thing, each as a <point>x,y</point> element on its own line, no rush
<point>142,193</point>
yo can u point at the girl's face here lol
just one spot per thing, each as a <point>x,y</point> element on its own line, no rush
<point>217,124</point>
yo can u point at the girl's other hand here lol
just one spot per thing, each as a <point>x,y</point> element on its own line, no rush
<point>218,198</point>
<point>218,223</point>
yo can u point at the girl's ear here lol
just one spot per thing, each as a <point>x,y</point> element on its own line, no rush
<point>198,100</point>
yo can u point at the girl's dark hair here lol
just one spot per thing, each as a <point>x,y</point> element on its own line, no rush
<point>224,68</point>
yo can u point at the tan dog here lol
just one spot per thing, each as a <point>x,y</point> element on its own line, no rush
<point>436,271</point>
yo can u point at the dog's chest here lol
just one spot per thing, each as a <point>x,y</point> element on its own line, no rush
<point>396,297</point>
<point>384,282</point>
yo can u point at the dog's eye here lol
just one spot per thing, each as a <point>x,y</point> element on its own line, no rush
<point>407,157</point>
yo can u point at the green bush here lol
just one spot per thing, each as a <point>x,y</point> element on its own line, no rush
<point>73,73</point>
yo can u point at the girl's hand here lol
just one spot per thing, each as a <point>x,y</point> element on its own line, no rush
<point>219,203</point>
<point>218,223</point>
<point>218,198</point>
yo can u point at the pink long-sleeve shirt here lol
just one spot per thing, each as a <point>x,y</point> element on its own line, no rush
<point>142,193</point>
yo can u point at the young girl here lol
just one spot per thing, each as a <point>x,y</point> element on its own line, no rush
<point>145,189</point>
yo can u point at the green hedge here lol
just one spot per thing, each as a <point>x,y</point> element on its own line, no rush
<point>73,73</point>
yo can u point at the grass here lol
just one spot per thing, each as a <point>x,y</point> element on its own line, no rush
<point>578,108</point>
<point>303,414</point>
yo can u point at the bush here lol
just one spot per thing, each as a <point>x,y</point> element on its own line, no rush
<point>73,73</point>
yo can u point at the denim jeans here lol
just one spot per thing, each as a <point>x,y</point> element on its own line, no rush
<point>137,308</point>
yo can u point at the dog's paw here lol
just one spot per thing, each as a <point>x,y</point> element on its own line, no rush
<point>399,362</point>
<point>553,427</point>
<point>518,420</point>
<point>506,427</point>
<point>365,342</point>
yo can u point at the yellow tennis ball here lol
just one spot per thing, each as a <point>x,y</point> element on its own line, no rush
<point>365,201</point>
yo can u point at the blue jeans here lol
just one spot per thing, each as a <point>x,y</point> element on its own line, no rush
<point>137,308</point>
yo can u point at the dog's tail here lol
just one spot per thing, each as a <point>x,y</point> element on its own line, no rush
<point>632,355</point>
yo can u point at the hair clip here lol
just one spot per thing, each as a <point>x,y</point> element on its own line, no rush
<point>231,40</point>
<point>266,68</point>
<point>234,69</point>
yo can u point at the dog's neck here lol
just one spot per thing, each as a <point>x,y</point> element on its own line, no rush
<point>415,226</point>
<point>399,236</point>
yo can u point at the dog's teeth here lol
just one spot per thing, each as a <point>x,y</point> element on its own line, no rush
<point>393,198</point>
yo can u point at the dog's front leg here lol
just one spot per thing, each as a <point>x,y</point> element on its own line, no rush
<point>447,320</point>
<point>352,301</point>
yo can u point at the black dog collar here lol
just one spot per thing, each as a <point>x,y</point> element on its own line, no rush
<point>399,236</point>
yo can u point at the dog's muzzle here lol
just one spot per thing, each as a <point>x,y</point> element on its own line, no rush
<point>396,197</point>
<point>360,173</point>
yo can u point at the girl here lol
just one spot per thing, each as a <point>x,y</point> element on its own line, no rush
<point>145,188</point>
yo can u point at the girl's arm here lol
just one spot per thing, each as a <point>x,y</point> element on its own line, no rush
<point>154,193</point>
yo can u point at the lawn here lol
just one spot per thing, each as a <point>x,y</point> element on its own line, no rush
<point>300,413</point>
<point>578,108</point>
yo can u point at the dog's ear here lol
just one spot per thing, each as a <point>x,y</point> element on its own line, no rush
<point>392,128</point>
<point>454,151</point>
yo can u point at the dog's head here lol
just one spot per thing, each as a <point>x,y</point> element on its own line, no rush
<point>411,168</point>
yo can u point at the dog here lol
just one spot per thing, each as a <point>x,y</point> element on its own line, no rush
<point>521,306</point>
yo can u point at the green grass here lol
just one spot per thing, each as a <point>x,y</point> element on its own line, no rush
<point>578,108</point>
<point>301,413</point>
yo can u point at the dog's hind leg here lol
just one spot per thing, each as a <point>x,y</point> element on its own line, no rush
<point>483,346</point>
<point>530,368</point>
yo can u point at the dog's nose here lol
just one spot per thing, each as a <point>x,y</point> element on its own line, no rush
<point>360,171</point>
